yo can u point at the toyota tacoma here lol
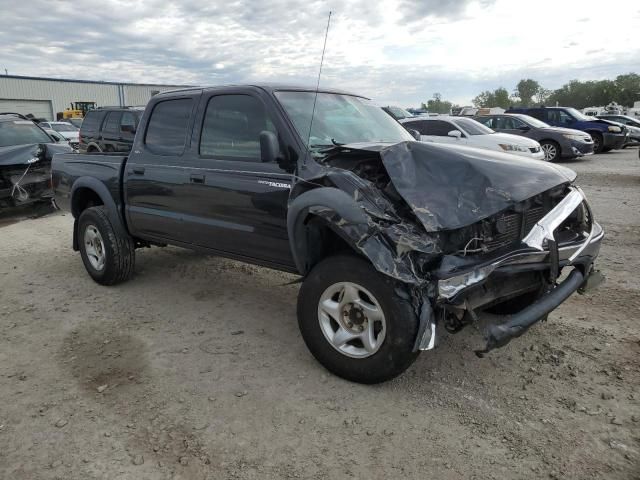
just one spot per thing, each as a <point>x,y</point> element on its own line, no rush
<point>393,239</point>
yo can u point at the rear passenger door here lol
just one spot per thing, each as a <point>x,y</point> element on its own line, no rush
<point>157,173</point>
<point>238,203</point>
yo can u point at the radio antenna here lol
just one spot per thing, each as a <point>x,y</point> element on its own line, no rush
<point>315,98</point>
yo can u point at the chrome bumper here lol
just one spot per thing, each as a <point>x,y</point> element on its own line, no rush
<point>533,248</point>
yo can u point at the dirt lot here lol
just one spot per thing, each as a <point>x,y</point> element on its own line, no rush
<point>195,370</point>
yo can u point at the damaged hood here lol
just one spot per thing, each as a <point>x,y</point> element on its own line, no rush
<point>31,153</point>
<point>449,187</point>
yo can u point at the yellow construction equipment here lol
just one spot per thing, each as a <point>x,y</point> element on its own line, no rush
<point>77,110</point>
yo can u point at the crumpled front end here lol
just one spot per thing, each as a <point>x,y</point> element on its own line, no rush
<point>465,232</point>
<point>25,173</point>
<point>519,285</point>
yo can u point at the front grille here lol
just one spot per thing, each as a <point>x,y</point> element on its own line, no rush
<point>509,227</point>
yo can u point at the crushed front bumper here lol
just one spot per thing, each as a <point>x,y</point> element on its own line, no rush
<point>538,250</point>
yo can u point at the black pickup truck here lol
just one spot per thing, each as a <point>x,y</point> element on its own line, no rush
<point>392,237</point>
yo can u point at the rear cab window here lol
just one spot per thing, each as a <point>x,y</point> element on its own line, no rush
<point>168,126</point>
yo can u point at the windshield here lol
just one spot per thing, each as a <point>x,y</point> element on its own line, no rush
<point>577,114</point>
<point>534,122</point>
<point>399,113</point>
<point>471,127</point>
<point>63,127</point>
<point>21,132</point>
<point>340,119</point>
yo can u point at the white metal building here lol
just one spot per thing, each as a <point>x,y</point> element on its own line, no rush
<point>44,97</point>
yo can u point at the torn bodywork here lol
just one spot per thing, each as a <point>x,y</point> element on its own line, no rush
<point>25,173</point>
<point>468,234</point>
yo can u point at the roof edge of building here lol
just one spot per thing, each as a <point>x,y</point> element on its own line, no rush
<point>96,82</point>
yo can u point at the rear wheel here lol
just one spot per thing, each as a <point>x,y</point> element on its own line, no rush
<point>597,142</point>
<point>354,323</point>
<point>551,150</point>
<point>108,256</point>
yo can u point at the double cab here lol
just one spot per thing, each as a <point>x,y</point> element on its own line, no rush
<point>394,239</point>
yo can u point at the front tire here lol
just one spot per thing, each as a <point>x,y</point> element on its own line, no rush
<point>551,150</point>
<point>353,321</point>
<point>597,142</point>
<point>109,257</point>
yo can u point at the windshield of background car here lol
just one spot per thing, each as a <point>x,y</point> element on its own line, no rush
<point>400,112</point>
<point>340,119</point>
<point>472,127</point>
<point>578,115</point>
<point>534,122</point>
<point>64,127</point>
<point>21,132</point>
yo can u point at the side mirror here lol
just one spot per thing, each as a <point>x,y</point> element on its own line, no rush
<point>127,128</point>
<point>455,133</point>
<point>524,128</point>
<point>414,133</point>
<point>269,147</point>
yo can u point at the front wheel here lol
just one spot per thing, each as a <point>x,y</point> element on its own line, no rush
<point>551,150</point>
<point>353,321</point>
<point>597,142</point>
<point>108,256</point>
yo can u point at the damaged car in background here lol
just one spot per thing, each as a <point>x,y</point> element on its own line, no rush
<point>395,240</point>
<point>25,161</point>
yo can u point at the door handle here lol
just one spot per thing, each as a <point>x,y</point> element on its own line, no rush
<point>197,178</point>
<point>138,170</point>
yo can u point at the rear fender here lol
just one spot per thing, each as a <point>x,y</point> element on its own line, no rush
<point>108,202</point>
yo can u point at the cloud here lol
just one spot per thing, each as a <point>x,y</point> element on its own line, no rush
<point>396,51</point>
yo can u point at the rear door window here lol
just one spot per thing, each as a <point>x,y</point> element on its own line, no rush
<point>167,129</point>
<point>91,123</point>
<point>436,128</point>
<point>112,124</point>
<point>232,127</point>
<point>128,123</point>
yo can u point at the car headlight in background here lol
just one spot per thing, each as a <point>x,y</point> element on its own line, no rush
<point>614,129</point>
<point>571,136</point>
<point>508,147</point>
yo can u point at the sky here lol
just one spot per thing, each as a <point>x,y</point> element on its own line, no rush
<point>398,52</point>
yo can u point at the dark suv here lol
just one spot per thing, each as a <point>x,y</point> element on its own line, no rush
<point>606,135</point>
<point>109,129</point>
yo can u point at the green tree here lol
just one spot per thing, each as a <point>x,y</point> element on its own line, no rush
<point>525,90</point>
<point>497,98</point>
<point>437,105</point>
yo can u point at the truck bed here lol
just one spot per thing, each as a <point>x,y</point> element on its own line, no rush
<point>100,168</point>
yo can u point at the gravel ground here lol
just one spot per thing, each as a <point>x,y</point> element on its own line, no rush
<point>195,370</point>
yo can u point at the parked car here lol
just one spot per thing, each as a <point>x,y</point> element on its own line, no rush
<point>66,129</point>
<point>466,131</point>
<point>109,129</point>
<point>555,142</point>
<point>397,112</point>
<point>389,234</point>
<point>606,135</point>
<point>25,161</point>
<point>632,124</point>
<point>57,138</point>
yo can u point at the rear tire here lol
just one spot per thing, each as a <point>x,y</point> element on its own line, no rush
<point>392,320</point>
<point>597,142</point>
<point>109,257</point>
<point>551,150</point>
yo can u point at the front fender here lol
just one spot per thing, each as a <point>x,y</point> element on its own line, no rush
<point>388,247</point>
<point>330,201</point>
